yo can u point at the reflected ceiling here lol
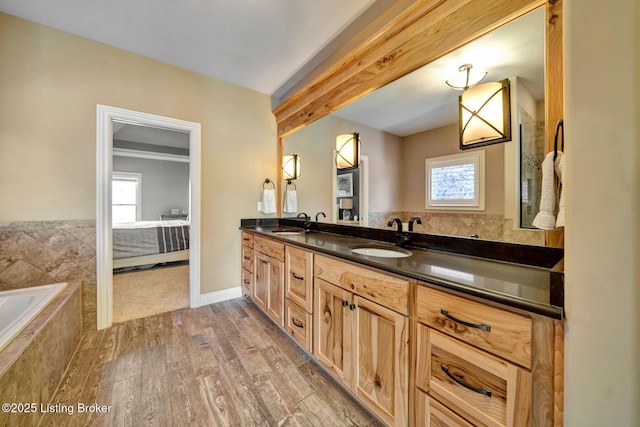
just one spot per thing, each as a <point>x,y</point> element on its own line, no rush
<point>421,100</point>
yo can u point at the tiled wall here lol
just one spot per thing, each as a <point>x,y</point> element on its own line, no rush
<point>489,227</point>
<point>43,252</point>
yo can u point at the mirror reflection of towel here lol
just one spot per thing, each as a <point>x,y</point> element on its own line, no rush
<point>269,201</point>
<point>290,201</point>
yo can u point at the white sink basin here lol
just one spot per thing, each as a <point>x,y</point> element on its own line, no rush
<point>380,251</point>
<point>288,231</point>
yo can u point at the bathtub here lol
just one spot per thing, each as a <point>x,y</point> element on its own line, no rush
<point>19,306</point>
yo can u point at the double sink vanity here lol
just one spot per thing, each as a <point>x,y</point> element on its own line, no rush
<point>444,331</point>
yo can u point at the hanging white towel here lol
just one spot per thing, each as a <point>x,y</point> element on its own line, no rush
<point>290,201</point>
<point>269,201</point>
<point>559,167</point>
<point>545,218</point>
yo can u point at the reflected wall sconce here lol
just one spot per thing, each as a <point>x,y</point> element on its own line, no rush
<point>348,151</point>
<point>291,167</point>
<point>485,115</point>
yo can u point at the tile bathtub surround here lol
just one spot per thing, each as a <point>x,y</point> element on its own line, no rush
<point>36,253</point>
<point>33,364</point>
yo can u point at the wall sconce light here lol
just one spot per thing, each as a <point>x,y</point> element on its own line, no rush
<point>290,167</point>
<point>485,115</point>
<point>348,150</point>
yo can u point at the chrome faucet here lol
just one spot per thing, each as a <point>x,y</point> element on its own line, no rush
<point>320,213</point>
<point>412,220</point>
<point>401,238</point>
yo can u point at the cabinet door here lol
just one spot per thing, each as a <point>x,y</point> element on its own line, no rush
<point>381,360</point>
<point>332,329</point>
<point>261,279</point>
<point>275,291</point>
<point>299,277</point>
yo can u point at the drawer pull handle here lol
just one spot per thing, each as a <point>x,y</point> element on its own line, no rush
<point>345,303</point>
<point>482,326</point>
<point>297,323</point>
<point>247,258</point>
<point>482,390</point>
<point>295,276</point>
<point>245,239</point>
<point>246,282</point>
<point>264,261</point>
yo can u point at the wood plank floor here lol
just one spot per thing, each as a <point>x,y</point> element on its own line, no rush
<point>224,364</point>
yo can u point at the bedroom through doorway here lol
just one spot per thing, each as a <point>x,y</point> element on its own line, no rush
<point>147,237</point>
<point>150,220</point>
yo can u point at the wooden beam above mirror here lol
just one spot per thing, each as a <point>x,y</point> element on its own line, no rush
<point>426,31</point>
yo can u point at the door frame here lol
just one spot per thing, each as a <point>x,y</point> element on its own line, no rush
<point>105,115</point>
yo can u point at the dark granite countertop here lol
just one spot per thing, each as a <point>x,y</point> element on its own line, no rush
<point>523,286</point>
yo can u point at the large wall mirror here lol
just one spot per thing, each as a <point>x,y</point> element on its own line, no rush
<point>415,118</point>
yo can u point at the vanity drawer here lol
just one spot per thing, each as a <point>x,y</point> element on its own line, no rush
<point>247,258</point>
<point>498,331</point>
<point>247,239</point>
<point>269,247</point>
<point>247,283</point>
<point>298,323</point>
<point>299,277</point>
<point>387,290</point>
<point>480,387</point>
<point>431,413</point>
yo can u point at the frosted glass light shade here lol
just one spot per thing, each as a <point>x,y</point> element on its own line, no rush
<point>485,115</point>
<point>348,150</point>
<point>290,167</point>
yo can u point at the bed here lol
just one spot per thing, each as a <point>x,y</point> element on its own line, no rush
<point>150,242</point>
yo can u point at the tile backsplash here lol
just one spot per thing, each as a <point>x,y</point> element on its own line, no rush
<point>486,226</point>
<point>36,253</point>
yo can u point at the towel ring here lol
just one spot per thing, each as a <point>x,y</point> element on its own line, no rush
<point>289,182</point>
<point>268,181</point>
<point>555,139</point>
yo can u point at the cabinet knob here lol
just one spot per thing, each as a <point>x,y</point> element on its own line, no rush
<point>345,303</point>
<point>352,307</point>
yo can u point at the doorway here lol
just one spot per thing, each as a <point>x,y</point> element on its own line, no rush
<point>109,118</point>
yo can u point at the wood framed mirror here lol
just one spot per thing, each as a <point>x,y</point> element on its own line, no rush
<point>422,33</point>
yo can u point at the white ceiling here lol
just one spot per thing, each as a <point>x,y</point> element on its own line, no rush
<point>421,100</point>
<point>258,44</point>
<point>150,135</point>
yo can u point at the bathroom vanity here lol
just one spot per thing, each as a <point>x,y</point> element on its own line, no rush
<point>436,333</point>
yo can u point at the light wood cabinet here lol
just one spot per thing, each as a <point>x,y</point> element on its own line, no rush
<point>331,329</point>
<point>299,295</point>
<point>488,365</point>
<point>268,289</point>
<point>247,264</point>
<point>381,360</point>
<point>363,343</point>
<point>431,413</point>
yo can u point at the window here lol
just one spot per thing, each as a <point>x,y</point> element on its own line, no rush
<point>126,197</point>
<point>456,181</point>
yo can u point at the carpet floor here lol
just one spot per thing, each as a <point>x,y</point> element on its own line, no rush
<point>143,293</point>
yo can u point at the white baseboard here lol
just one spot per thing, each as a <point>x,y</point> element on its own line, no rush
<point>218,296</point>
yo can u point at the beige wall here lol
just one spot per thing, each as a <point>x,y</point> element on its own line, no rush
<point>315,144</point>
<point>50,83</point>
<point>602,117</point>
<point>442,142</point>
